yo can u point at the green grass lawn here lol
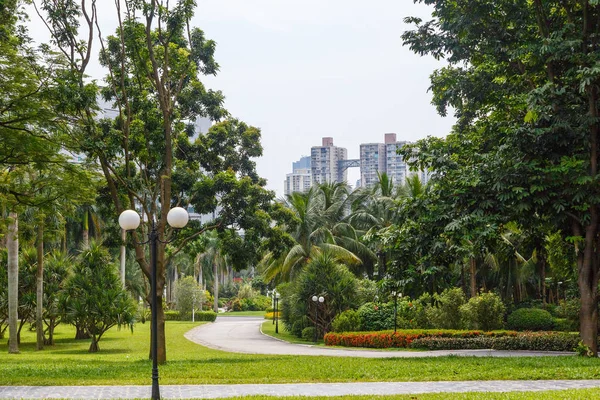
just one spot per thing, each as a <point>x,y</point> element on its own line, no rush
<point>243,314</point>
<point>123,360</point>
<point>583,394</point>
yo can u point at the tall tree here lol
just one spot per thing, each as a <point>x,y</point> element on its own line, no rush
<point>154,62</point>
<point>523,79</point>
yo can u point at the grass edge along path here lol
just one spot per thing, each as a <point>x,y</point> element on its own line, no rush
<point>574,394</point>
<point>123,360</point>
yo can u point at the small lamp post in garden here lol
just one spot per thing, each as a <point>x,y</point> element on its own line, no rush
<point>276,316</point>
<point>129,220</point>
<point>317,300</point>
<point>396,296</point>
<point>271,294</point>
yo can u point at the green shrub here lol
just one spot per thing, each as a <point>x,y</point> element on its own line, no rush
<point>236,305</point>
<point>530,319</point>
<point>376,317</point>
<point>452,343</point>
<point>173,315</point>
<point>563,325</point>
<point>538,341</point>
<point>445,313</point>
<point>569,309</point>
<point>485,312</point>
<point>347,321</point>
<point>308,333</point>
<point>299,326</point>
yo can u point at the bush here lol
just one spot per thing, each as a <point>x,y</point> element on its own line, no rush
<point>308,333</point>
<point>538,341</point>
<point>563,325</point>
<point>173,315</point>
<point>451,343</point>
<point>569,309</point>
<point>376,317</point>
<point>530,319</point>
<point>270,315</point>
<point>445,313</point>
<point>485,312</point>
<point>405,338</point>
<point>347,321</point>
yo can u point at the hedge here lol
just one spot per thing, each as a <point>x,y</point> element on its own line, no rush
<point>402,338</point>
<point>209,316</point>
<point>271,315</point>
<point>530,319</point>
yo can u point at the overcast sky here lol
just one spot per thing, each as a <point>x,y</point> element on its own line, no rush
<point>302,70</point>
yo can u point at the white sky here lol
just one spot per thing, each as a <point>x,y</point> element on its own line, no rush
<point>301,70</point>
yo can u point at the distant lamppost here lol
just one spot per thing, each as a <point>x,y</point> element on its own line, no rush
<point>317,300</point>
<point>276,297</point>
<point>271,294</point>
<point>129,220</point>
<point>396,295</point>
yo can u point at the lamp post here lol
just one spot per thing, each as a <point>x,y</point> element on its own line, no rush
<point>271,294</point>
<point>396,295</point>
<point>317,300</point>
<point>129,220</point>
<point>276,297</point>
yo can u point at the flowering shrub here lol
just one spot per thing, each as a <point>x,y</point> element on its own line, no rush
<point>403,338</point>
<point>271,315</point>
<point>540,341</point>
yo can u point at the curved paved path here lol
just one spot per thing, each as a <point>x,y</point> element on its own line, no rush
<point>243,335</point>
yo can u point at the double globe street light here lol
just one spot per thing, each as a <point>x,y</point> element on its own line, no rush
<point>316,299</point>
<point>129,220</point>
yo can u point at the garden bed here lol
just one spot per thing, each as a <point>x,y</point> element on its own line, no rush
<point>453,340</point>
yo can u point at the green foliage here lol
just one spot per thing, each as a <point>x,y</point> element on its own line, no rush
<point>188,295</point>
<point>322,276</point>
<point>485,312</point>
<point>376,317</point>
<point>530,319</point>
<point>570,309</point>
<point>347,321</point>
<point>308,333</point>
<point>523,341</point>
<point>93,297</point>
<point>172,315</point>
<point>445,313</point>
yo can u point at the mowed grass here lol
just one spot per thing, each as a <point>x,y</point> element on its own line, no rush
<point>123,360</point>
<point>580,394</point>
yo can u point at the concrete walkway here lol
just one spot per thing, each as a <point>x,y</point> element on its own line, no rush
<point>280,390</point>
<point>243,335</point>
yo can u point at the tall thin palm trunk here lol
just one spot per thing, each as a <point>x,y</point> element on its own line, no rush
<point>216,279</point>
<point>39,307</point>
<point>12,244</point>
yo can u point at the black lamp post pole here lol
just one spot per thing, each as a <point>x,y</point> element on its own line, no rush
<point>153,236</point>
<point>276,315</point>
<point>316,319</point>
<point>395,311</point>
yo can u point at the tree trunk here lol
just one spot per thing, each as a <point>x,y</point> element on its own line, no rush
<point>123,257</point>
<point>587,263</point>
<point>39,292</point>
<point>86,231</point>
<point>473,272</point>
<point>216,294</point>
<point>12,244</point>
<point>81,333</point>
<point>94,346</point>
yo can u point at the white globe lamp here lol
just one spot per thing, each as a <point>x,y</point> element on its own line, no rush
<point>178,217</point>
<point>129,220</point>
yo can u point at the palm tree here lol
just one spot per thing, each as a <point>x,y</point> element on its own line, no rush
<point>212,256</point>
<point>320,227</point>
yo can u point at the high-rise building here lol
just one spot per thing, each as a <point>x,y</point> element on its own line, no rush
<point>299,180</point>
<point>372,163</point>
<point>396,168</point>
<point>325,163</point>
